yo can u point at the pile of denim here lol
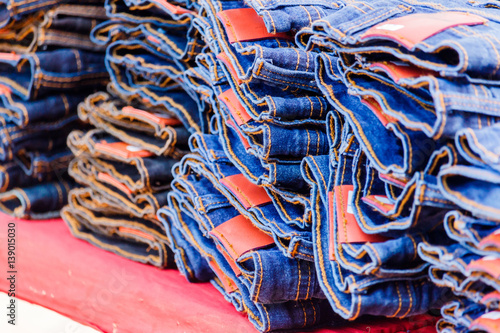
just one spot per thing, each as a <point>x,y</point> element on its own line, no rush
<point>141,126</point>
<point>314,160</point>
<point>48,65</point>
<point>416,88</point>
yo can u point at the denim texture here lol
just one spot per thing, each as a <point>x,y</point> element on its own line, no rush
<point>367,161</point>
<point>48,65</point>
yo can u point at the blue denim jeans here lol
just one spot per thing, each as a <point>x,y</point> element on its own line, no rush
<point>269,302</point>
<point>34,75</point>
<point>366,29</point>
<point>138,124</point>
<point>295,238</point>
<point>43,201</point>
<point>107,227</point>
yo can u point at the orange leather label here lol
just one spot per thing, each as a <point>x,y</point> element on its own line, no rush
<point>9,56</point>
<point>400,182</point>
<point>158,118</point>
<point>227,283</point>
<point>244,140</point>
<point>225,59</point>
<point>348,230</point>
<point>135,232</point>
<point>237,110</point>
<point>153,39</point>
<point>489,265</point>
<point>4,90</point>
<point>491,297</point>
<point>399,70</point>
<point>238,235</point>
<point>121,149</point>
<point>375,107</point>
<point>174,9</point>
<point>412,29</point>
<point>244,24</point>
<point>249,194</point>
<point>108,179</point>
<point>492,240</point>
<point>379,201</point>
<point>230,260</point>
<point>488,322</point>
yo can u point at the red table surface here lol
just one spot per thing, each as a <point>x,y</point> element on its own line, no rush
<point>114,294</point>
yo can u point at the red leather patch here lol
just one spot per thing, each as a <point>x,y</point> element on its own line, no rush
<point>492,240</point>
<point>249,194</point>
<point>153,39</point>
<point>230,260</point>
<point>412,29</point>
<point>380,202</point>
<point>227,282</point>
<point>489,265</point>
<point>4,90</point>
<point>348,230</point>
<point>491,297</point>
<point>9,56</point>
<point>244,24</point>
<point>397,181</point>
<point>238,235</point>
<point>121,149</point>
<point>237,110</point>
<point>174,9</point>
<point>375,107</point>
<point>244,140</point>
<point>399,70</point>
<point>158,118</point>
<point>225,59</point>
<point>488,322</point>
<point>135,232</point>
<point>108,179</point>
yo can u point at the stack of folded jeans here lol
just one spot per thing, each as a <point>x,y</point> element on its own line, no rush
<point>320,146</point>
<point>415,86</point>
<point>49,65</point>
<point>259,175</point>
<point>141,128</point>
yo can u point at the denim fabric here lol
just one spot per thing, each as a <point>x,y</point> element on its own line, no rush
<point>343,29</point>
<point>284,16</point>
<point>21,113</point>
<point>264,316</point>
<point>131,74</point>
<point>32,169</point>
<point>472,188</point>
<point>342,158</point>
<point>139,174</point>
<point>296,240</point>
<point>352,295</point>
<point>396,148</point>
<point>478,146</point>
<point>20,36</point>
<point>176,37</point>
<point>450,268</point>
<point>471,232</point>
<point>214,209</point>
<point>140,240</point>
<point>69,26</point>
<point>16,9</point>
<point>458,315</point>
<point>41,137</point>
<point>438,107</point>
<point>105,111</point>
<point>43,201</point>
<point>38,74</point>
